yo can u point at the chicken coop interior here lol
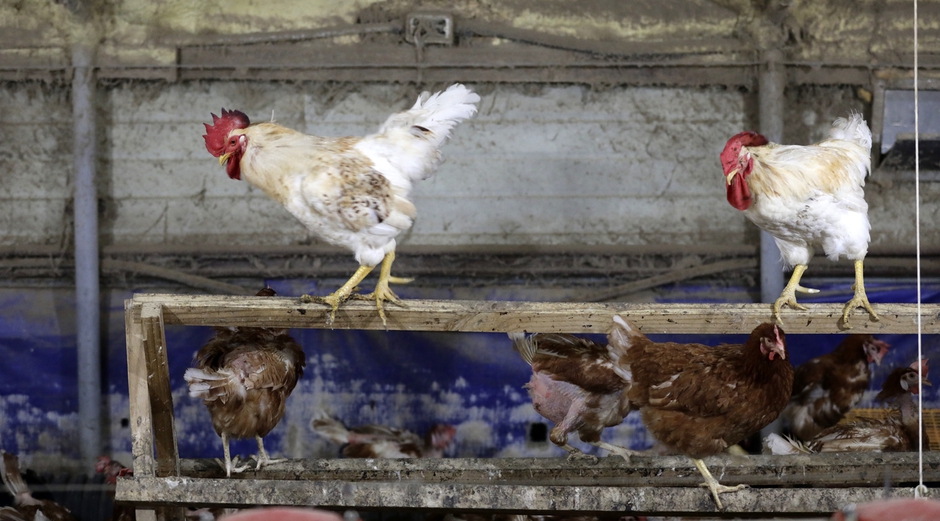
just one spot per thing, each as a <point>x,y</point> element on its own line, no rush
<point>331,255</point>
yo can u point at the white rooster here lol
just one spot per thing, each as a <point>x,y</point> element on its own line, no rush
<point>350,191</point>
<point>806,196</point>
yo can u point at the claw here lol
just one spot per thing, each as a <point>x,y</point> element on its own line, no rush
<point>712,484</point>
<point>860,300</point>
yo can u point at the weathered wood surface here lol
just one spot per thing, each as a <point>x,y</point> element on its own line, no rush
<point>843,470</point>
<point>545,498</point>
<point>161,399</point>
<point>502,316</point>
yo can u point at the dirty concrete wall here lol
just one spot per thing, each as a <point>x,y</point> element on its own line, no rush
<point>544,165</point>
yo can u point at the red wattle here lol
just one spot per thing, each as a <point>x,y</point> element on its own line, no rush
<point>739,195</point>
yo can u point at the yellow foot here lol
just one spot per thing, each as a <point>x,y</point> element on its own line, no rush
<point>383,293</point>
<point>860,300</point>
<point>334,300</point>
<point>788,298</point>
<point>232,465</point>
<point>718,488</point>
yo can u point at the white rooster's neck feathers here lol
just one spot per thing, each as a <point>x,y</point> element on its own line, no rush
<point>837,164</point>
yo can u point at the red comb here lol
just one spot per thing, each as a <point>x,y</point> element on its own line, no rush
<point>218,131</point>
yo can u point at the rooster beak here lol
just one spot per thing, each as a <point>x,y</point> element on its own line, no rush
<point>223,158</point>
<point>730,176</point>
<point>926,382</point>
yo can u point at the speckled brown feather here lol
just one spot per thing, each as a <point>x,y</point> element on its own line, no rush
<point>25,506</point>
<point>578,361</point>
<point>700,400</point>
<point>265,367</point>
<point>827,387</point>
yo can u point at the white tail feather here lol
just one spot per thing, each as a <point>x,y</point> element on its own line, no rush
<point>206,385</point>
<point>783,445</point>
<point>852,129</point>
<point>438,112</point>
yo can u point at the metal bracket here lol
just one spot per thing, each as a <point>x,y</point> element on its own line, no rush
<point>425,28</point>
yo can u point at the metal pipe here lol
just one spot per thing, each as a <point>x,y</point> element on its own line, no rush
<point>771,85</point>
<point>87,296</point>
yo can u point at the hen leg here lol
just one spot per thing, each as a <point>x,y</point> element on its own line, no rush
<point>382,291</point>
<point>788,295</point>
<point>713,484</point>
<point>341,295</point>
<point>559,433</point>
<point>229,465</point>
<point>263,458</point>
<point>623,452</point>
<point>860,300</point>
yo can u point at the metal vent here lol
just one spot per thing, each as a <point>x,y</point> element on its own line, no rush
<point>425,28</point>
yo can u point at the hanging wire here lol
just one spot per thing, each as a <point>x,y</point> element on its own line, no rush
<point>921,489</point>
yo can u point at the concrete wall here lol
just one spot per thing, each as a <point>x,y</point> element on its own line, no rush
<point>558,165</point>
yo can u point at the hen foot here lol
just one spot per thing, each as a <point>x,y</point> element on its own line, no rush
<point>788,295</point>
<point>576,455</point>
<point>617,450</point>
<point>382,292</point>
<point>338,297</point>
<point>262,457</point>
<point>860,300</point>
<point>712,483</point>
<point>232,465</point>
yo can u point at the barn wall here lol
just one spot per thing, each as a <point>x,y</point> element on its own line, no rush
<point>540,164</point>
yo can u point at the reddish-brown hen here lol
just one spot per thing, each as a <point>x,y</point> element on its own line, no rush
<point>700,400</point>
<point>244,376</point>
<point>378,441</point>
<point>25,506</point>
<point>826,387</point>
<point>575,384</point>
<point>895,433</point>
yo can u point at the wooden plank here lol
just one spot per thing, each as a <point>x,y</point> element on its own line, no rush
<point>501,316</point>
<point>546,498</point>
<point>138,395</point>
<point>161,399</point>
<point>842,470</point>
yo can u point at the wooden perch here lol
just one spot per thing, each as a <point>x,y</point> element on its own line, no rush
<point>545,317</point>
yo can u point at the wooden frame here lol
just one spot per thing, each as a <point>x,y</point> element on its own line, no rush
<point>797,485</point>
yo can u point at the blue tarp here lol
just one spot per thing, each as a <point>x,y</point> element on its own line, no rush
<point>403,379</point>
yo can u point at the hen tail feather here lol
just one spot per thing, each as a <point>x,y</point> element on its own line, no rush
<point>207,385</point>
<point>852,129</point>
<point>783,445</point>
<point>436,113</point>
<point>524,345</point>
<point>330,429</point>
<point>10,472</point>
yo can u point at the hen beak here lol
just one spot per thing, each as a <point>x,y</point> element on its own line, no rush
<point>770,348</point>
<point>223,158</point>
<point>730,176</point>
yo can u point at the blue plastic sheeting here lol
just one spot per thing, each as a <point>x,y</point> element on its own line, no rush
<point>402,379</point>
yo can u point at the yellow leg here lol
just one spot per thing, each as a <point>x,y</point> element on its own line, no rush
<point>860,299</point>
<point>342,294</point>
<point>713,484</point>
<point>382,291</point>
<point>788,296</point>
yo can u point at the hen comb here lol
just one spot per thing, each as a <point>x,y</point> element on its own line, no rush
<point>923,366</point>
<point>218,131</point>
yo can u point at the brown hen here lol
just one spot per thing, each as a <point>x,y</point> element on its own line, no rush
<point>700,400</point>
<point>244,376</point>
<point>826,387</point>
<point>379,441</point>
<point>25,506</point>
<point>575,384</point>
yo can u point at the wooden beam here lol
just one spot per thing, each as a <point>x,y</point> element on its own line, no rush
<point>161,399</point>
<point>546,498</point>
<point>138,396</point>
<point>823,470</point>
<point>502,316</point>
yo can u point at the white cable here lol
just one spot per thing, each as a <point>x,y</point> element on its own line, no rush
<point>921,490</point>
